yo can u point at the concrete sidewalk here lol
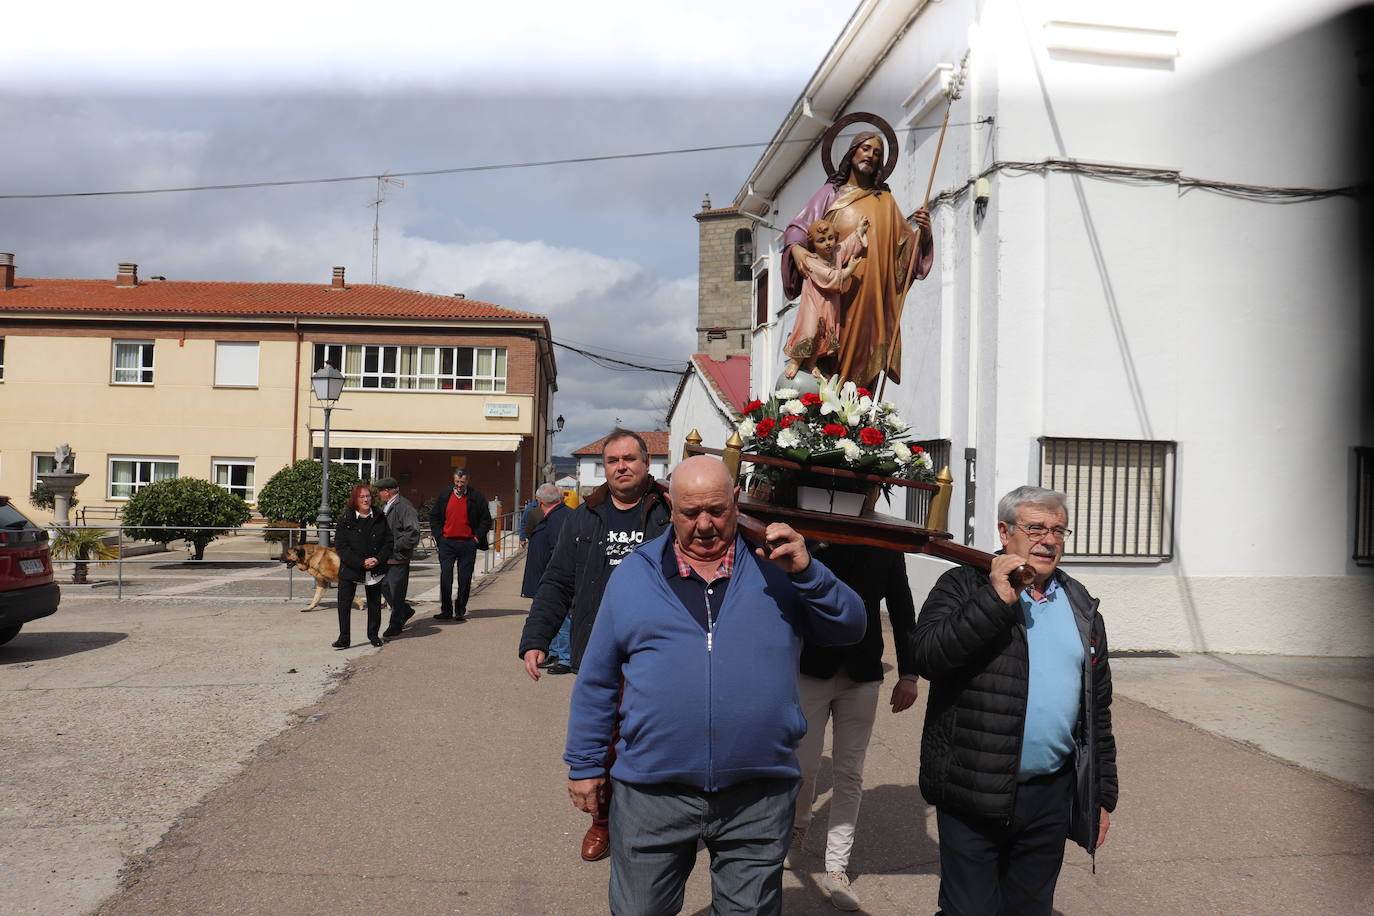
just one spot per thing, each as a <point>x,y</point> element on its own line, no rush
<point>431,782</point>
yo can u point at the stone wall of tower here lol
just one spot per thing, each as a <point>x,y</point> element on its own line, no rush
<point>722,301</point>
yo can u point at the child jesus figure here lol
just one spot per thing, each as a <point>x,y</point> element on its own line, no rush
<point>826,269</point>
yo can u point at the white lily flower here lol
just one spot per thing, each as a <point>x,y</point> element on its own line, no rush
<point>865,404</point>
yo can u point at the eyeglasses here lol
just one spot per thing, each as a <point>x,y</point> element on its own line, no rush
<point>1038,532</point>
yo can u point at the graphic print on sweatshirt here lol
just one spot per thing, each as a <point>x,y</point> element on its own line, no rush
<point>623,533</point>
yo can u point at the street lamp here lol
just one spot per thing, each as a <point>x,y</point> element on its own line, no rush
<point>328,383</point>
<point>548,457</point>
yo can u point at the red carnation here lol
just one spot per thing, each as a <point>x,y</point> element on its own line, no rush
<point>764,427</point>
<point>870,436</point>
<point>917,448</point>
<point>752,406</point>
<point>811,399</point>
<point>833,429</point>
<point>787,421</point>
<point>865,393</point>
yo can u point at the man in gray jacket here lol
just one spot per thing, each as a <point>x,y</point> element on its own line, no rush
<point>405,534</point>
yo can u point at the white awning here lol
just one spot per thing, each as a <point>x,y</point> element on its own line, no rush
<point>437,442</point>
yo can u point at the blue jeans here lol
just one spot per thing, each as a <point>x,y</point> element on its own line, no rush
<point>561,647</point>
<point>654,835</point>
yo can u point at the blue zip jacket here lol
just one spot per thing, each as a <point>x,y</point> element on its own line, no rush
<point>706,718</point>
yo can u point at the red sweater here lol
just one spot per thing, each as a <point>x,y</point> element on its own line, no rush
<point>456,517</point>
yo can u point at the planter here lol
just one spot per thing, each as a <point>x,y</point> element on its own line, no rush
<point>802,489</point>
<point>839,502</point>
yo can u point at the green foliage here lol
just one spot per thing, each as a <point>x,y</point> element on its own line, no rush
<point>82,544</point>
<point>174,508</point>
<point>293,493</point>
<point>42,498</point>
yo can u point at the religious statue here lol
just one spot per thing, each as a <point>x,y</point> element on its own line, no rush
<point>826,267</point>
<point>856,194</point>
<point>64,459</point>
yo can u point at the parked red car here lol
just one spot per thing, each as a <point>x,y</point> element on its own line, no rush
<point>27,589</point>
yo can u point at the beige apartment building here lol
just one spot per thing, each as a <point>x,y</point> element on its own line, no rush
<point>150,378</point>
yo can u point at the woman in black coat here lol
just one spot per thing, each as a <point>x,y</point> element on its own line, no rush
<point>363,542</point>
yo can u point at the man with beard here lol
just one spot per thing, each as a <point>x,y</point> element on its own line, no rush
<point>618,516</point>
<point>871,305</point>
<point>1017,752</point>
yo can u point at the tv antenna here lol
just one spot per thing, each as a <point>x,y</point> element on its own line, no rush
<point>384,183</point>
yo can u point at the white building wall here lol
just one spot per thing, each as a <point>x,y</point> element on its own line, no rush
<point>696,409</point>
<point>1081,307</point>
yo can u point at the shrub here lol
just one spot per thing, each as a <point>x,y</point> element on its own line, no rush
<point>178,507</point>
<point>293,493</point>
<point>41,497</point>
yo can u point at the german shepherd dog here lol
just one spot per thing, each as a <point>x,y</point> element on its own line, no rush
<point>320,562</point>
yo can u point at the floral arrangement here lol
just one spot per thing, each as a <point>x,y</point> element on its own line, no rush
<point>838,426</point>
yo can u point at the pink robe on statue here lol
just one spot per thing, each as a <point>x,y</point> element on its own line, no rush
<point>817,331</point>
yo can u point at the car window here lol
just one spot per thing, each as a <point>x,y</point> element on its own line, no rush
<point>11,517</point>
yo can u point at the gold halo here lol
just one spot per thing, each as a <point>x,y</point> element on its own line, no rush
<point>864,117</point>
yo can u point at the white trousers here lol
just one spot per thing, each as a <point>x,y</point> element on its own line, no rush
<point>851,706</point>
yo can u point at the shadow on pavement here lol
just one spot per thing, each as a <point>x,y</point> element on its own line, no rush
<point>34,647</point>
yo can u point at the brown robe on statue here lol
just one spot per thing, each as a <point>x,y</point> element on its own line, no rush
<point>871,307</point>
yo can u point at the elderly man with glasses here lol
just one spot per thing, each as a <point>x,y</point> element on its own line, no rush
<point>1017,754</point>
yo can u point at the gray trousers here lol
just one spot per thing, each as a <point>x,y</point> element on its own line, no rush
<point>654,834</point>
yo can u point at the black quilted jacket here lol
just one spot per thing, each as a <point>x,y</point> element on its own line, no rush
<point>972,647</point>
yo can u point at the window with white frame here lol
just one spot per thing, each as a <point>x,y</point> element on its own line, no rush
<point>415,368</point>
<point>133,362</point>
<point>1121,495</point>
<point>367,462</point>
<point>235,475</point>
<point>129,473</point>
<point>236,364</point>
<point>43,463</point>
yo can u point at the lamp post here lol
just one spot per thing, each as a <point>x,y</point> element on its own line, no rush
<point>328,384</point>
<point>549,469</point>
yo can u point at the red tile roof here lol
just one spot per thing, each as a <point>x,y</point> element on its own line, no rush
<point>730,379</point>
<point>159,297</point>
<point>656,439</point>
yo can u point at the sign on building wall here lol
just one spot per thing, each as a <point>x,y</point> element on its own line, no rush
<point>491,409</point>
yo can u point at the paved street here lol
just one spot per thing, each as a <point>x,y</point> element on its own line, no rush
<point>429,780</point>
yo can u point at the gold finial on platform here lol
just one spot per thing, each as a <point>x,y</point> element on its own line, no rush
<point>693,438</point>
<point>734,446</point>
<point>937,517</point>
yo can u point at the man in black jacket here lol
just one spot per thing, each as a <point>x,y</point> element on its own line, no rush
<point>1017,752</point>
<point>624,512</point>
<point>459,521</point>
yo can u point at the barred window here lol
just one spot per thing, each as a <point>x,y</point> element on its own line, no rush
<point>1121,495</point>
<point>917,500</point>
<point>1364,506</point>
<point>407,368</point>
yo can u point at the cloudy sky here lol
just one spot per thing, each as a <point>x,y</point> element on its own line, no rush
<point>152,94</point>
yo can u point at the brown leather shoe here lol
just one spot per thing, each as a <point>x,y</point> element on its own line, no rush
<point>596,844</point>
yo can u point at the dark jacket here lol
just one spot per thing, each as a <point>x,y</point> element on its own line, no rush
<point>404,522</point>
<point>542,537</point>
<point>876,574</point>
<point>479,516</point>
<point>576,574</point>
<point>359,538</point>
<point>972,646</point>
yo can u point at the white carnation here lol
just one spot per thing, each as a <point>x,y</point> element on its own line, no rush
<point>897,423</point>
<point>851,449</point>
<point>786,394</point>
<point>902,453</point>
<point>794,407</point>
<point>788,438</point>
<point>746,429</point>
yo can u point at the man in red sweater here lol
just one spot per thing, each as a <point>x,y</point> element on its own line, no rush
<point>459,520</point>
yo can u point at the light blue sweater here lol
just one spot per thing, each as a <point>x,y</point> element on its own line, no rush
<point>706,718</point>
